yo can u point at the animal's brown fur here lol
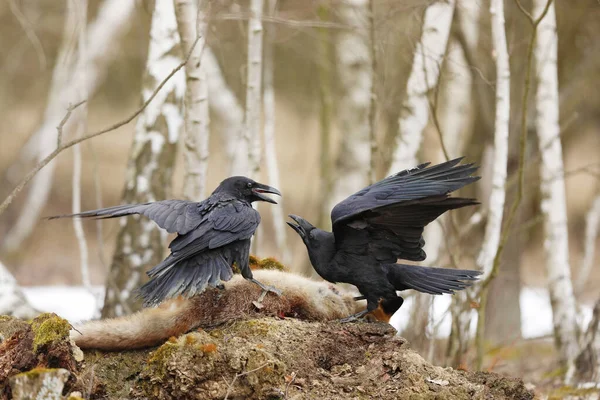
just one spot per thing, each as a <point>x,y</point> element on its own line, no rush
<point>302,298</point>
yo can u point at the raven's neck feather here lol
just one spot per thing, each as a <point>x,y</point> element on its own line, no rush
<point>321,251</point>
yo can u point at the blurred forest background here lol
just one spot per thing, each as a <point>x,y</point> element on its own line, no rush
<point>321,56</point>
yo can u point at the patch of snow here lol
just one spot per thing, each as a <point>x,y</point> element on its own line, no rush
<point>74,303</point>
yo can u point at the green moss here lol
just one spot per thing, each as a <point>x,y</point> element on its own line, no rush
<point>254,262</point>
<point>115,370</point>
<point>34,373</point>
<point>272,263</point>
<point>49,328</point>
<point>565,391</point>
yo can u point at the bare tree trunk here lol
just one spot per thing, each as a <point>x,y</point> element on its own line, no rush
<point>12,299</point>
<point>325,67</point>
<point>356,78</point>
<point>79,7</point>
<point>462,310</point>
<point>58,101</point>
<point>413,120</point>
<point>587,363</point>
<point>592,223</point>
<point>140,242</point>
<point>427,61</point>
<point>270,148</point>
<point>226,106</point>
<point>254,86</point>
<point>103,33</point>
<point>554,208</point>
<point>373,103</point>
<point>191,23</point>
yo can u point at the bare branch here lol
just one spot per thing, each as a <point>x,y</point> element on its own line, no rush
<point>73,142</point>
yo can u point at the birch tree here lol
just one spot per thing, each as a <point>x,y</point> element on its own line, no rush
<point>191,23</point>
<point>495,207</point>
<point>424,74</point>
<point>592,224</point>
<point>269,127</point>
<point>12,300</point>
<point>353,54</point>
<point>228,109</point>
<point>140,242</point>
<point>587,362</point>
<point>102,36</point>
<point>553,203</point>
<point>254,87</point>
<point>79,7</point>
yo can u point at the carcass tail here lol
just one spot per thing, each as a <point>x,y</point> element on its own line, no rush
<point>145,328</point>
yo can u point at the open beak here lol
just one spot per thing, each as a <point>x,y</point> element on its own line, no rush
<point>298,225</point>
<point>259,190</point>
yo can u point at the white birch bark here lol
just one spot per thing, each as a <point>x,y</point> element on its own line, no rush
<point>227,108</point>
<point>12,299</point>
<point>353,53</point>
<point>140,242</point>
<point>191,23</point>
<point>553,206</point>
<point>58,101</point>
<point>427,61</point>
<point>103,34</point>
<point>592,224</point>
<point>493,226</point>
<point>269,128</point>
<point>79,8</point>
<point>252,131</point>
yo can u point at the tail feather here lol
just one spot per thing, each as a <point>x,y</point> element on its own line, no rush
<point>428,279</point>
<point>184,278</point>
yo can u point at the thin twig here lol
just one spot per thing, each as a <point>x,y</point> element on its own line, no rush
<point>230,385</point>
<point>284,21</point>
<point>287,386</point>
<point>60,126</point>
<point>73,142</point>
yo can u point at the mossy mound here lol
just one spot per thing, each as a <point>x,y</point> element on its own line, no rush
<point>272,358</point>
<point>42,343</point>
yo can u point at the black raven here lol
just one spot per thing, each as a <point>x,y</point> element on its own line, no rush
<point>211,236</point>
<point>382,223</point>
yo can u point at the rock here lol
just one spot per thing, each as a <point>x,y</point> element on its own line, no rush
<point>39,384</point>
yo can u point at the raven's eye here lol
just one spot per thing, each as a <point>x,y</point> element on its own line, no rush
<point>249,184</point>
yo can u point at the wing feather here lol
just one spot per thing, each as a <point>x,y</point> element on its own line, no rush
<point>386,220</point>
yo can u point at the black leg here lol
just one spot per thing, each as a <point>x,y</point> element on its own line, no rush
<point>354,317</point>
<point>266,289</point>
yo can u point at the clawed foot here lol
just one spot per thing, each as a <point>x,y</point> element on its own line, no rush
<point>265,289</point>
<point>353,317</point>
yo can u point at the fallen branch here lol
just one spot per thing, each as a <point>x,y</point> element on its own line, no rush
<point>73,142</point>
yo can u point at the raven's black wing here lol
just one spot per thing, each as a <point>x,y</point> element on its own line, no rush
<point>201,257</point>
<point>386,220</point>
<point>179,216</point>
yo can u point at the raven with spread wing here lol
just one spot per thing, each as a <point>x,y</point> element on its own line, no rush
<point>211,236</point>
<point>382,223</point>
